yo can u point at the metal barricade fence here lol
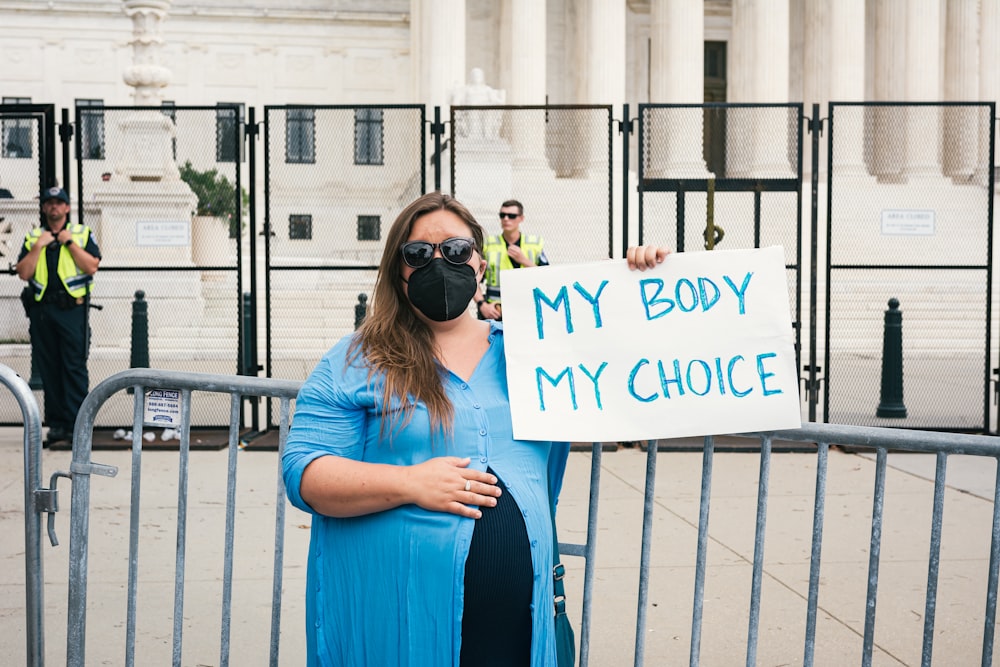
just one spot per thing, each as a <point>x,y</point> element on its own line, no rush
<point>824,435</point>
<point>36,500</point>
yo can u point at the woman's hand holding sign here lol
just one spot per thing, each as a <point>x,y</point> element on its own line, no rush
<point>644,257</point>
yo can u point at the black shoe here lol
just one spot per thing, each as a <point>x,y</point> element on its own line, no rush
<point>57,434</point>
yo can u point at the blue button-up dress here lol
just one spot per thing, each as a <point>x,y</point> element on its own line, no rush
<point>387,588</point>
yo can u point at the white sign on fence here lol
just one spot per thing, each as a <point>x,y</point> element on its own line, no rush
<point>162,233</point>
<point>906,222</point>
<point>702,344</point>
<point>162,408</point>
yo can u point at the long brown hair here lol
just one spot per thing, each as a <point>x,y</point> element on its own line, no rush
<point>397,344</point>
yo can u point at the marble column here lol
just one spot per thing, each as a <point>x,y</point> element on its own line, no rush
<point>604,82</point>
<point>846,19</point>
<point>145,152</point>
<point>757,139</point>
<point>527,56</point>
<point>437,35</point>
<point>923,84</point>
<point>884,126</point>
<point>960,143</point>
<point>989,76</point>
<point>677,76</point>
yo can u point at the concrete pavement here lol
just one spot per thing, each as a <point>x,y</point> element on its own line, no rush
<point>840,623</point>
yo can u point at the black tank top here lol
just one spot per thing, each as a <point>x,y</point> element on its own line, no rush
<point>496,622</point>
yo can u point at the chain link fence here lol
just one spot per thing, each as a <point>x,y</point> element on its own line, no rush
<point>724,176</point>
<point>159,186</point>
<point>910,218</point>
<point>336,178</point>
<point>555,160</point>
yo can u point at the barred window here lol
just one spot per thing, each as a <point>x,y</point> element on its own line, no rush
<point>369,228</point>
<point>300,226</point>
<point>368,129</point>
<point>91,130</point>
<point>228,147</point>
<point>300,136</point>
<point>16,132</point>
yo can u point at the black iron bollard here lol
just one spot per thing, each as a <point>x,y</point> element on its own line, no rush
<point>360,310</point>
<point>140,332</point>
<point>246,310</point>
<point>891,401</point>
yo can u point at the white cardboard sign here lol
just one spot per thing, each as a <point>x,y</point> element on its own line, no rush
<point>701,344</point>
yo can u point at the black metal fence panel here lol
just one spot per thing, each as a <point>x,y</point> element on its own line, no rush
<point>724,176</point>
<point>160,187</point>
<point>909,218</point>
<point>172,194</point>
<point>336,177</point>
<point>556,160</point>
<point>23,133</point>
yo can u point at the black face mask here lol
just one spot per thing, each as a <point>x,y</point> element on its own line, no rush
<point>442,290</point>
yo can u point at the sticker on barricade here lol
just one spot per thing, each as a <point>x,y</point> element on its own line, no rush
<point>162,407</point>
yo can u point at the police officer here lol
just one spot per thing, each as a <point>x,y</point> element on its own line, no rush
<point>508,250</point>
<point>59,261</point>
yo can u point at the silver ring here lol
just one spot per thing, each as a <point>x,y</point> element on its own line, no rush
<point>468,485</point>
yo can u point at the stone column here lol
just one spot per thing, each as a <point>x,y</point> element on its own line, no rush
<point>989,75</point>
<point>923,84</point>
<point>960,145</point>
<point>885,140</point>
<point>527,53</point>
<point>145,151</point>
<point>145,74</point>
<point>604,82</point>
<point>756,138</point>
<point>677,76</point>
<point>437,35</point>
<point>846,19</point>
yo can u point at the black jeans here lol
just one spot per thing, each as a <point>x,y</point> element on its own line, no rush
<point>59,347</point>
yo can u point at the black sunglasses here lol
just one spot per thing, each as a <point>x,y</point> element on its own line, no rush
<point>509,216</point>
<point>457,250</point>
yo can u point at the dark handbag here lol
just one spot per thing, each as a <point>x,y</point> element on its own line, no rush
<point>565,637</point>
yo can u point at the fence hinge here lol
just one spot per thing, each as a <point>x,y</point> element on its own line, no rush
<point>625,126</point>
<point>65,131</point>
<point>46,500</point>
<point>815,125</point>
<point>93,469</point>
<point>811,387</point>
<point>437,128</point>
<point>253,129</point>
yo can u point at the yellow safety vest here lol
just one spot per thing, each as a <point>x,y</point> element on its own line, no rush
<point>76,282</point>
<point>497,259</point>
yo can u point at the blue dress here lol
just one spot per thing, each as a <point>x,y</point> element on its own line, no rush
<point>387,588</point>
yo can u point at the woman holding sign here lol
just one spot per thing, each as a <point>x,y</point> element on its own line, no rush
<point>431,533</point>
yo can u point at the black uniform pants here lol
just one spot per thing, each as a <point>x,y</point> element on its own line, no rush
<point>59,347</point>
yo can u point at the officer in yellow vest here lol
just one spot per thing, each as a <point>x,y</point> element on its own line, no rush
<point>59,261</point>
<point>509,250</point>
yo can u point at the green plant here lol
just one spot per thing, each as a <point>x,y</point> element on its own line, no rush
<point>216,196</point>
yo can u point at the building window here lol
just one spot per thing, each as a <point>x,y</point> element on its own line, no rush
<point>300,227</point>
<point>91,129</point>
<point>300,136</point>
<point>368,136</point>
<point>16,132</point>
<point>228,117</point>
<point>369,228</point>
<point>169,109</point>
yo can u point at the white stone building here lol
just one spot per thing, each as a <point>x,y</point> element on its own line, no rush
<point>256,52</point>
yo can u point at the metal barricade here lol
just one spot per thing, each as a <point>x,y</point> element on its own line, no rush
<point>881,440</point>
<point>239,387</point>
<point>36,501</point>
